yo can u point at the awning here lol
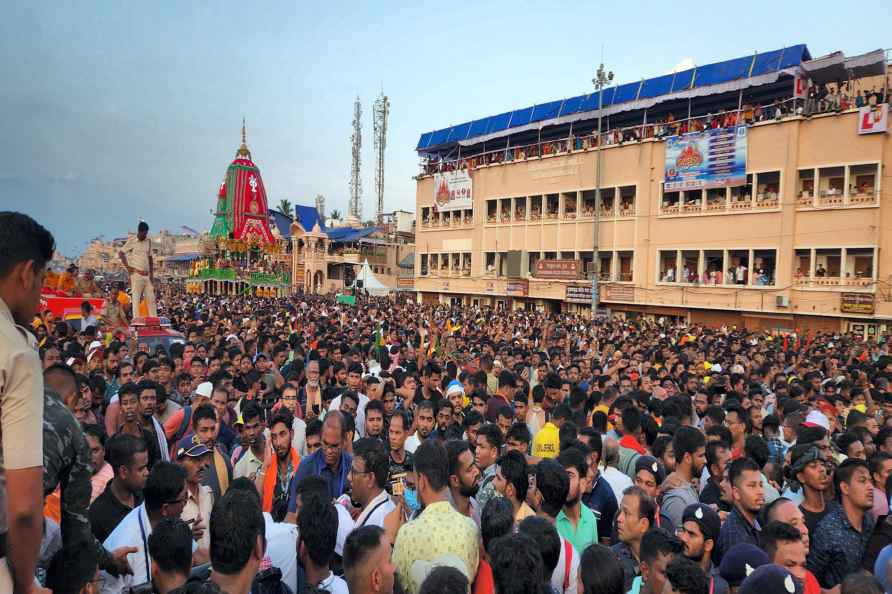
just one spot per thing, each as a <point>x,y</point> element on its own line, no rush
<point>182,257</point>
<point>836,67</point>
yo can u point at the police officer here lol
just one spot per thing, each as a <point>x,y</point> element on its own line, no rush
<point>25,249</point>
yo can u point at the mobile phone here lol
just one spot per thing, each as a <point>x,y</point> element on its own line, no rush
<point>398,484</point>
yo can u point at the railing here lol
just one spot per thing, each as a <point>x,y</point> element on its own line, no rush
<point>836,199</point>
<point>586,213</point>
<point>818,282</point>
<point>747,115</point>
<point>766,201</point>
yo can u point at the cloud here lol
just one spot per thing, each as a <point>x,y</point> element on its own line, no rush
<point>686,64</point>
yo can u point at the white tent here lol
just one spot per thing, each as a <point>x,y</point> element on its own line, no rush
<point>370,282</point>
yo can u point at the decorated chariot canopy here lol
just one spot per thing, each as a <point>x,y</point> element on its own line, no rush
<point>242,214</point>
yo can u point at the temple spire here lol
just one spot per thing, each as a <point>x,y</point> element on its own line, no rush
<point>243,149</point>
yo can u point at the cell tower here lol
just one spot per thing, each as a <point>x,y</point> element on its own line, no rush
<point>380,114</point>
<point>355,181</point>
<point>320,206</point>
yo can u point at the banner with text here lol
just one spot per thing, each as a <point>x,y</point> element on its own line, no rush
<point>709,159</point>
<point>564,269</point>
<point>452,190</point>
<point>873,118</point>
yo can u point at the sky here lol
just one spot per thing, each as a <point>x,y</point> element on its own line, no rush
<point>118,111</point>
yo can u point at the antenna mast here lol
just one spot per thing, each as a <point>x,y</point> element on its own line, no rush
<point>320,206</point>
<point>380,114</point>
<point>355,181</point>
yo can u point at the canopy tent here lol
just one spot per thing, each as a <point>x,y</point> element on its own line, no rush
<point>370,282</point>
<point>720,77</point>
<point>836,66</point>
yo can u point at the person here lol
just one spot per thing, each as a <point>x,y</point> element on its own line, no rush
<point>699,531</point>
<point>367,478</point>
<point>205,426</point>
<point>717,457</point>
<point>170,548</point>
<point>438,529</point>
<point>238,542</point>
<point>136,256</point>
<point>739,562</point>
<point>880,470</point>
<point>424,425</point>
<point>550,495</point>
<point>464,479</point>
<point>374,420</point>
<point>512,482</point>
<point>165,495</point>
<point>690,458</point>
<point>317,528</point>
<point>444,579</point>
<point>397,432</point>
<point>289,399</point>
<point>253,443</point>
<point>600,572</point>
<point>636,515</point>
<point>87,317</point>
<point>617,480</point>
<point>658,548</point>
<point>147,392</point>
<point>741,525</point>
<point>330,462</point>
<point>839,541</point>
<point>129,459</point>
<point>102,470</point>
<point>600,497</point>
<point>809,469</point>
<point>367,563</point>
<point>497,521</point>
<point>128,396</point>
<point>630,447</point>
<point>576,522</point>
<point>26,249</point>
<point>280,465</point>
<point>517,566</point>
<point>195,457</point>
<point>486,453</point>
<point>683,576</point>
<point>503,396</point>
<point>785,547</point>
<point>771,579</point>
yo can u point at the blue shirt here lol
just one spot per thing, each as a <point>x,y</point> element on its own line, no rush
<point>838,548</point>
<point>603,502</point>
<point>315,465</point>
<point>735,530</point>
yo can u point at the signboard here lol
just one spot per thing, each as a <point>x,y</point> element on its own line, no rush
<point>407,283</point>
<point>518,288</point>
<point>708,159</point>
<point>873,118</point>
<point>800,85</point>
<point>857,303</point>
<point>558,269</point>
<point>490,287</point>
<point>452,190</point>
<point>579,294</point>
<point>619,293</point>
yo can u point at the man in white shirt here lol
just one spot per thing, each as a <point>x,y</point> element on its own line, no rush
<point>368,477</point>
<point>424,422</point>
<point>358,413</point>
<point>136,255</point>
<point>165,497</point>
<point>87,317</point>
<point>195,458</point>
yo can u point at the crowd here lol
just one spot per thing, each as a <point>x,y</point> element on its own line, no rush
<point>300,445</point>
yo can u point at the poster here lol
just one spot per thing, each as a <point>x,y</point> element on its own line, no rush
<point>453,190</point>
<point>857,303</point>
<point>873,118</point>
<point>579,294</point>
<point>558,269</point>
<point>708,159</point>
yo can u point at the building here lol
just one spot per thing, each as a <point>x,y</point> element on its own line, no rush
<point>751,192</point>
<point>326,260</point>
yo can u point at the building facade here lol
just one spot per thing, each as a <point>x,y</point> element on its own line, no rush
<point>800,241</point>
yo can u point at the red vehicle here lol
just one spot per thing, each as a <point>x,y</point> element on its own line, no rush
<point>154,332</point>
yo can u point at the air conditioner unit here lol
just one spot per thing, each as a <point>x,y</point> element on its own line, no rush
<point>782,301</point>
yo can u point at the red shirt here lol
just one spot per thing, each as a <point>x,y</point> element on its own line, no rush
<point>484,584</point>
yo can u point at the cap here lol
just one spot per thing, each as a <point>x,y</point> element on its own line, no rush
<point>740,561</point>
<point>652,465</point>
<point>706,518</point>
<point>455,387</point>
<point>770,579</point>
<point>204,389</point>
<point>191,446</point>
<point>817,419</point>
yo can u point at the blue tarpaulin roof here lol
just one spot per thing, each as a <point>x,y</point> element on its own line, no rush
<point>308,216</point>
<point>282,222</point>
<point>183,257</point>
<point>702,76</point>
<point>348,234</point>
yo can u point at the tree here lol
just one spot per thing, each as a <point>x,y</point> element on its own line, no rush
<point>285,207</point>
<point>335,215</point>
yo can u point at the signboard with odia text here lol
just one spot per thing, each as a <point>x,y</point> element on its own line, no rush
<point>857,303</point>
<point>565,269</point>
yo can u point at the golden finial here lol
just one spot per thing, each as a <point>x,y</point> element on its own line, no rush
<point>243,149</point>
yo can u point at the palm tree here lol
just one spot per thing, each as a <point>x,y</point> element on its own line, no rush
<point>285,206</point>
<point>335,215</point>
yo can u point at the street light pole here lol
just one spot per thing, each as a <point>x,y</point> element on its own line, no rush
<point>602,79</point>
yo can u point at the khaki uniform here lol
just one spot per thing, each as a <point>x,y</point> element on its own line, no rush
<point>21,410</point>
<point>138,253</point>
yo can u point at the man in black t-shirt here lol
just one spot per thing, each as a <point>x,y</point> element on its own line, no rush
<point>400,460</point>
<point>129,459</point>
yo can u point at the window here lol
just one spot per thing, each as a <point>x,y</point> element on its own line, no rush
<point>768,189</point>
<point>714,264</point>
<point>569,205</point>
<point>423,264</point>
<point>627,201</point>
<point>668,260</point>
<point>670,203</point>
<point>466,264</point>
<point>690,266</point>
<point>490,262</point>
<point>828,262</point>
<point>716,198</point>
<point>764,263</point>
<point>505,210</point>
<point>805,192</point>
<point>742,196</point>
<point>534,257</point>
<point>831,184</point>
<point>588,203</point>
<point>503,263</point>
<point>626,266</point>
<point>468,217</point>
<point>605,261</point>
<point>552,204</point>
<point>551,255</point>
<point>456,263</point>
<point>491,211</point>
<point>607,201</point>
<point>801,265</point>
<point>863,183</point>
<point>425,215</point>
<point>586,258</point>
<point>738,267</point>
<point>520,208</point>
<point>535,208</point>
<point>859,265</point>
<point>692,200</point>
<point>568,256</point>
